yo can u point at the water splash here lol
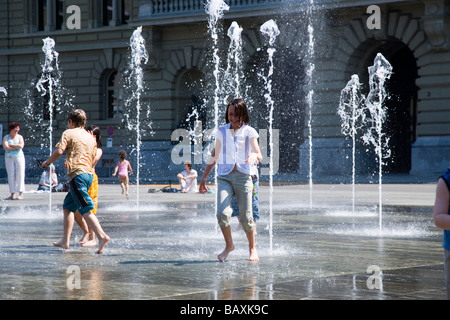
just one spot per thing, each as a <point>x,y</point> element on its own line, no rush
<point>135,84</point>
<point>378,74</point>
<point>215,10</point>
<point>351,111</point>
<point>270,29</point>
<point>310,99</point>
<point>234,72</point>
<point>49,86</point>
<point>4,91</point>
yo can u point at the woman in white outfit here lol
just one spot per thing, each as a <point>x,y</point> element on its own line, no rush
<point>13,144</point>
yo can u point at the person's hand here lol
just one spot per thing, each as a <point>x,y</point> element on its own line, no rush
<point>44,165</point>
<point>113,174</point>
<point>203,188</point>
<point>252,158</point>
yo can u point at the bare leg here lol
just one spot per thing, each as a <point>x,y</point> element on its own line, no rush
<point>252,245</point>
<point>229,246</point>
<point>83,225</point>
<point>94,224</point>
<point>67,227</point>
<point>127,185</point>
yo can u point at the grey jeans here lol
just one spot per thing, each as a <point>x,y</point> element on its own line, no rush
<point>240,185</point>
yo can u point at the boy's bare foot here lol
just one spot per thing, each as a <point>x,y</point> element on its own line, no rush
<point>84,238</point>
<point>102,243</point>
<point>224,254</point>
<point>253,255</point>
<point>89,243</point>
<point>61,245</point>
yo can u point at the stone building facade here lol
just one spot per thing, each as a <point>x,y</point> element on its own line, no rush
<point>93,40</point>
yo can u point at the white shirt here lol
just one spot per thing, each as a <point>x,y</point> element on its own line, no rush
<point>235,149</point>
<point>190,187</point>
<point>45,178</point>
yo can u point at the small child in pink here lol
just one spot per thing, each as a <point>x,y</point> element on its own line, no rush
<point>123,166</point>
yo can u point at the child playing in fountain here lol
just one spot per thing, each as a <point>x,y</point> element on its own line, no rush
<point>236,149</point>
<point>123,166</point>
<point>81,149</point>
<point>88,238</point>
<point>441,216</point>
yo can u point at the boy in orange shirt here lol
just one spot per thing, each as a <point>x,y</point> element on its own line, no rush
<point>81,149</point>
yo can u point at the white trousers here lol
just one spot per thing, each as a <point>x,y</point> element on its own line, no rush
<point>15,167</point>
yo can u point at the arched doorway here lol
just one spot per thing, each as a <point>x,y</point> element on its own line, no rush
<point>288,94</point>
<point>401,105</point>
<point>189,102</point>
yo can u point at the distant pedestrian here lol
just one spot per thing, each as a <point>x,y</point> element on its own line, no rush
<point>441,217</point>
<point>13,144</point>
<point>123,167</point>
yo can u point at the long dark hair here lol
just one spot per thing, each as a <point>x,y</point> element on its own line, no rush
<point>240,107</point>
<point>96,132</point>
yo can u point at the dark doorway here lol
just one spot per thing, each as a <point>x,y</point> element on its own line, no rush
<point>288,94</point>
<point>401,105</point>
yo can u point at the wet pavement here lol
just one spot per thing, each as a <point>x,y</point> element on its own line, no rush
<point>164,246</point>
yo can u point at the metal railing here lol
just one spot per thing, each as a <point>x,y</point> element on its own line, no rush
<point>155,8</point>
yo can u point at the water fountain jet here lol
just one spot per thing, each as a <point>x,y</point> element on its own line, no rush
<point>379,72</point>
<point>135,82</point>
<point>351,111</point>
<point>270,28</point>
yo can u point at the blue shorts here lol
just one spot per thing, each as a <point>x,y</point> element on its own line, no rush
<point>255,202</point>
<point>78,197</point>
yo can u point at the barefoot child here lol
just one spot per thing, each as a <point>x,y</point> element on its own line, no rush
<point>236,148</point>
<point>123,166</point>
<point>88,238</point>
<point>81,149</point>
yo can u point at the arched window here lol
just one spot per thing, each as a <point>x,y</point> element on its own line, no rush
<point>111,93</point>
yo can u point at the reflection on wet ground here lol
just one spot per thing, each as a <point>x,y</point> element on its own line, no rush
<point>166,248</point>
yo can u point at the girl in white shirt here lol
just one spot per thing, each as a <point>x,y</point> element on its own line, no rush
<point>236,148</point>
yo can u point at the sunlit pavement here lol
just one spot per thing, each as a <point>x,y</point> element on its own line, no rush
<point>312,244</point>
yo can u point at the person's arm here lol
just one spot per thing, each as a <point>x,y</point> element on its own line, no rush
<point>193,175</point>
<point>115,170</point>
<point>129,167</point>
<point>97,157</point>
<point>255,155</point>
<point>54,179</point>
<point>441,204</point>
<point>6,144</point>
<point>42,181</point>
<point>54,156</point>
<point>17,146</point>
<point>21,143</point>
<point>209,166</point>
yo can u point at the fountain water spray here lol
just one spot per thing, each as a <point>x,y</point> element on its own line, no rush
<point>310,99</point>
<point>378,74</point>
<point>215,10</point>
<point>270,29</point>
<point>49,85</point>
<point>3,89</point>
<point>135,83</point>
<point>351,111</point>
<point>234,71</point>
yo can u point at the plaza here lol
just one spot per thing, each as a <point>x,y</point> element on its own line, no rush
<point>165,247</point>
